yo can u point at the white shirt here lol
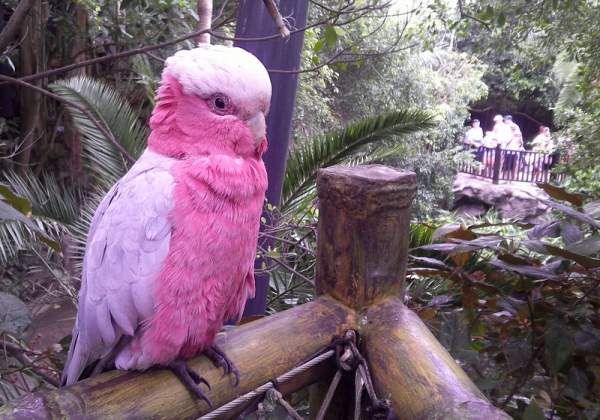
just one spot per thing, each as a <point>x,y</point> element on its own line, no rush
<point>474,136</point>
<point>503,133</point>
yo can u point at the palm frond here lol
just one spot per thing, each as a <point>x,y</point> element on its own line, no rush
<point>112,110</point>
<point>147,76</point>
<point>53,206</point>
<point>80,227</point>
<point>49,197</point>
<point>344,146</point>
<point>421,234</point>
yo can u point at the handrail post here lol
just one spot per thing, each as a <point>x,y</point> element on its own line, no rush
<point>497,164</point>
<point>364,216</point>
<point>363,238</point>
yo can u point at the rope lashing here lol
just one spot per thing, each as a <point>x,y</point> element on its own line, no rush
<point>265,387</point>
<point>348,359</point>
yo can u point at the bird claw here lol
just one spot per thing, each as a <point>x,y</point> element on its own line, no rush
<point>190,379</point>
<point>220,359</point>
<point>197,378</point>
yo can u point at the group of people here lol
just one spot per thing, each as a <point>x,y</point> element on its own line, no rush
<point>507,134</point>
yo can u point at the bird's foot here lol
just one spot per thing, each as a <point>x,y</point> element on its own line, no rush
<point>190,379</point>
<point>220,359</point>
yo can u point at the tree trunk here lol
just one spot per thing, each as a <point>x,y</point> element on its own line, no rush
<point>31,60</point>
<point>78,46</point>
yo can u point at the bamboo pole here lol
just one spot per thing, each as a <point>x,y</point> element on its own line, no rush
<point>262,350</point>
<point>421,378</point>
<point>363,241</point>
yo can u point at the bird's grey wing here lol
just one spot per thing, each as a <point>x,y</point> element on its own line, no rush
<point>126,248</point>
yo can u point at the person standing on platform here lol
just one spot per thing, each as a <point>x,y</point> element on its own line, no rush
<point>474,139</point>
<point>514,147</point>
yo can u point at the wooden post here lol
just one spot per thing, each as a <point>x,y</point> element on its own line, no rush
<point>364,220</point>
<point>497,164</point>
<point>362,252</point>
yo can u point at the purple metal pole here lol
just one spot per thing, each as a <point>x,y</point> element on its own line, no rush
<point>282,54</point>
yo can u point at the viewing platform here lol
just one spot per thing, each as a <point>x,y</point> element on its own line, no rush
<point>500,164</point>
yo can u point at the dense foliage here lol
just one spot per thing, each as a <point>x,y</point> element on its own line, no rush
<point>518,305</point>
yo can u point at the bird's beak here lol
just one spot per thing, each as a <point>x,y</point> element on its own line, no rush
<point>258,127</point>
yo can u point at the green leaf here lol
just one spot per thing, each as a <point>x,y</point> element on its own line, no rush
<point>587,262</point>
<point>501,19</point>
<point>570,233</point>
<point>7,212</point>
<point>582,217</point>
<point>550,229</point>
<point>592,209</point>
<point>454,333</point>
<point>318,45</point>
<point>517,353</point>
<point>587,339</point>
<point>559,345</point>
<point>339,30</point>
<point>14,314</point>
<point>533,272</point>
<point>487,14</point>
<point>578,383</point>
<point>331,36</point>
<point>533,411</point>
<point>19,203</point>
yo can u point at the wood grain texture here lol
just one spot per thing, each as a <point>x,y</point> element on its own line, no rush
<point>262,350</point>
<point>413,370</point>
<point>364,216</point>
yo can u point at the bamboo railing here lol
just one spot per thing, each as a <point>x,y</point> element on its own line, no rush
<point>361,264</point>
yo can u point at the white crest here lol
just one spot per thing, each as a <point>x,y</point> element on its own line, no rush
<point>210,69</point>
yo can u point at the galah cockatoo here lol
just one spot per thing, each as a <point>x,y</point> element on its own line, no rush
<point>170,252</point>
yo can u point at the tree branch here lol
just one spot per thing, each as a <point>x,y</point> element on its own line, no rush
<point>468,16</point>
<point>143,50</point>
<point>279,22</point>
<point>19,354</point>
<point>14,23</point>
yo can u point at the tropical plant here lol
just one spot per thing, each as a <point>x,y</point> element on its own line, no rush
<point>350,146</point>
<point>517,305</point>
<point>102,159</point>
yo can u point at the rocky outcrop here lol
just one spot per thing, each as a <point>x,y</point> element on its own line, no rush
<point>474,196</point>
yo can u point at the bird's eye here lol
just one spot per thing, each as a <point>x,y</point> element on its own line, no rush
<point>220,104</point>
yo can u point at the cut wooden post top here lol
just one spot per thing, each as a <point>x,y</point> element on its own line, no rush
<point>364,215</point>
<point>367,189</point>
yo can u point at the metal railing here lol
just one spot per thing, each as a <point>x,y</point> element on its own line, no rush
<point>500,164</point>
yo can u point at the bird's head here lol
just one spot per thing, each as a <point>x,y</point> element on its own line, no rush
<point>212,100</point>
